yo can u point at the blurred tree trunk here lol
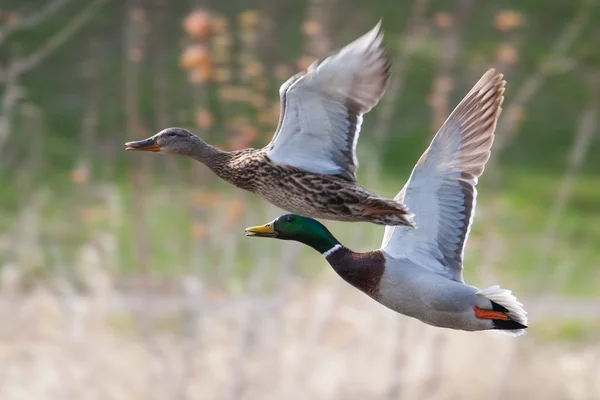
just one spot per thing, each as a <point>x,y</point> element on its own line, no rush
<point>135,35</point>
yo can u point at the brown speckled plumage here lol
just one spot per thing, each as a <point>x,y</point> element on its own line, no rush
<point>305,193</point>
<point>309,168</point>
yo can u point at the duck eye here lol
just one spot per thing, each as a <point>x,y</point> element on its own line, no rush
<point>289,219</point>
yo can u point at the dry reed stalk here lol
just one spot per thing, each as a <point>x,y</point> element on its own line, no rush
<point>319,13</point>
<point>161,94</point>
<point>321,323</point>
<point>507,54</point>
<point>26,246</point>
<point>10,98</point>
<point>29,62</point>
<point>89,124</point>
<point>33,122</point>
<point>32,20</point>
<point>135,45</point>
<point>511,119</point>
<point>12,91</point>
<point>289,257</point>
<point>394,391</point>
<point>199,210</point>
<point>451,44</point>
<point>247,327</point>
<point>413,39</point>
<point>246,317</point>
<point>587,127</point>
<point>507,130</point>
<point>296,380</point>
<point>135,41</point>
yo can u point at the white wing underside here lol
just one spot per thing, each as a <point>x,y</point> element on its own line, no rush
<point>322,108</point>
<point>441,190</point>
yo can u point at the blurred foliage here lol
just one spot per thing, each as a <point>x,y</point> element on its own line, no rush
<point>220,75</point>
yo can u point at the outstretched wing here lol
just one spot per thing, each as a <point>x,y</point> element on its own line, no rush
<point>441,190</point>
<point>322,108</point>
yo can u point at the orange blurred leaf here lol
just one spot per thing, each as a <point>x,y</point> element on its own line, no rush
<point>80,175</point>
<point>13,18</point>
<point>204,119</point>
<point>135,54</point>
<point>85,215</point>
<point>138,14</point>
<point>255,69</point>
<point>507,54</point>
<point>235,211</point>
<point>198,24</point>
<point>312,28</point>
<point>234,93</point>
<point>203,198</point>
<point>238,143</point>
<point>194,56</point>
<point>250,133</point>
<point>220,25</point>
<point>199,231</point>
<point>201,74</point>
<point>507,20</point>
<point>258,101</point>
<point>222,75</point>
<point>304,62</point>
<point>444,20</point>
<point>282,72</point>
<point>249,19</point>
<point>261,84</point>
<point>517,113</point>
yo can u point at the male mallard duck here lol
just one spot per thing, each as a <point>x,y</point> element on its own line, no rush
<point>309,167</point>
<point>418,270</point>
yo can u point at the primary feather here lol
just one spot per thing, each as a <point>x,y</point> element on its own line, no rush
<point>441,191</point>
<point>322,108</point>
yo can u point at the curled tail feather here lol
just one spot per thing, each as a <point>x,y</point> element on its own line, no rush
<point>504,301</point>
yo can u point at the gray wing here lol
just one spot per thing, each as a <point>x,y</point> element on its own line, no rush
<point>322,109</point>
<point>441,190</point>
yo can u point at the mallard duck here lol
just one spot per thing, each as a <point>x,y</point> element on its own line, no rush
<point>419,270</point>
<point>309,167</point>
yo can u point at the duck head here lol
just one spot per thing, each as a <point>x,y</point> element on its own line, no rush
<point>297,228</point>
<point>170,140</point>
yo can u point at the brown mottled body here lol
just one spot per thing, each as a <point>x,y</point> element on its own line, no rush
<point>309,167</point>
<point>305,193</point>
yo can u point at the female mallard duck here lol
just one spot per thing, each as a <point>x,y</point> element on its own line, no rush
<point>418,270</point>
<point>309,167</point>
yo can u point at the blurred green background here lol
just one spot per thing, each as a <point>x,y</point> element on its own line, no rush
<point>78,79</point>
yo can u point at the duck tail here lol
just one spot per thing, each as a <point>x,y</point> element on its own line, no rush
<point>505,302</point>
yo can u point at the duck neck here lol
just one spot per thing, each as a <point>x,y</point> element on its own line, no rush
<point>208,155</point>
<point>319,238</point>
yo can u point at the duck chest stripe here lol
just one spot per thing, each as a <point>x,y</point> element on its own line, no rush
<point>361,270</point>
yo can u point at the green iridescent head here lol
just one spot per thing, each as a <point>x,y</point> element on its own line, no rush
<point>300,229</point>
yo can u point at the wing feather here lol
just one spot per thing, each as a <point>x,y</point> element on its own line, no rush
<point>441,191</point>
<point>322,109</point>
